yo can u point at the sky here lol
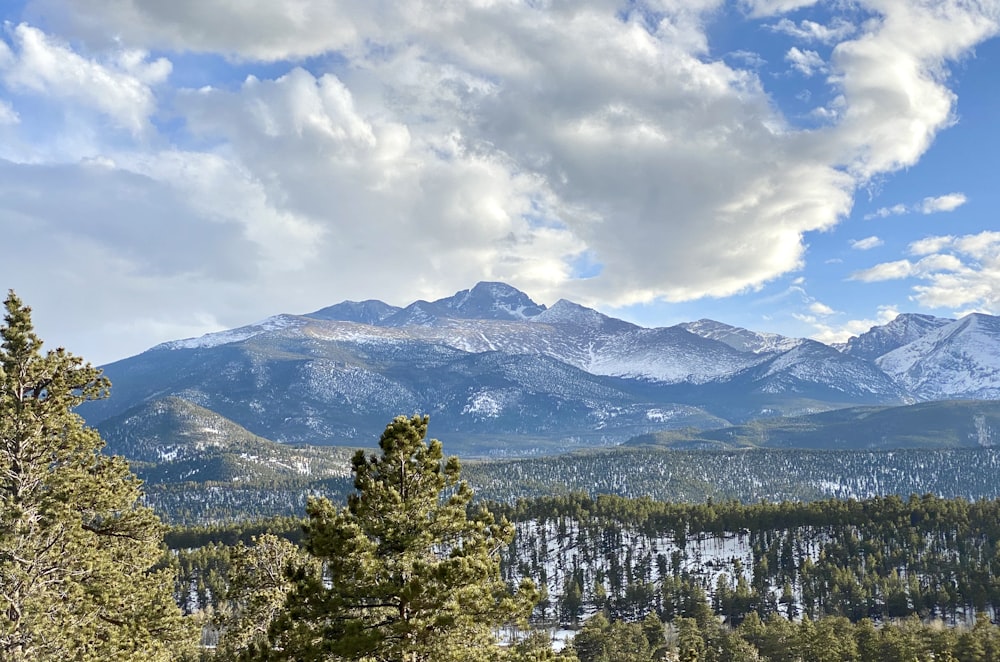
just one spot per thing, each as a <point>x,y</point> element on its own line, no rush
<point>810,168</point>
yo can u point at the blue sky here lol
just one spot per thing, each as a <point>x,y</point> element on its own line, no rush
<point>807,168</point>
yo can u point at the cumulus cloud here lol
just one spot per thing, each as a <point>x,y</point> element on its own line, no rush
<point>885,212</point>
<point>936,263</point>
<point>366,180</point>
<point>929,205</point>
<point>805,62</point>
<point>760,8</point>
<point>866,244</point>
<point>885,271</point>
<point>811,31</point>
<point>892,76</point>
<point>598,113</point>
<point>120,87</point>
<point>829,333</point>
<point>954,272</point>
<point>252,29</point>
<point>929,245</point>
<point>965,288</point>
<point>949,202</point>
<point>748,58</point>
<point>818,308</point>
<point>494,140</point>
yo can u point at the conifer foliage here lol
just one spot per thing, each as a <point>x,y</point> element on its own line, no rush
<point>408,574</point>
<point>75,546</point>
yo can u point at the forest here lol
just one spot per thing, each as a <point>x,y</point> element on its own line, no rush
<point>910,579</point>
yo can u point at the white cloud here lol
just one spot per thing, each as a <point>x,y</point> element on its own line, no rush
<point>885,212</point>
<point>805,62</point>
<point>866,244</point>
<point>456,210</point>
<point>949,202</point>
<point>810,31</point>
<point>622,130</point>
<point>929,205</point>
<point>748,58</point>
<point>893,77</point>
<point>885,271</point>
<point>480,140</point>
<point>956,272</point>
<point>981,246</point>
<point>760,8</point>
<point>251,29</point>
<point>935,263</point>
<point>818,308</point>
<point>929,245</point>
<point>830,334</point>
<point>121,87</point>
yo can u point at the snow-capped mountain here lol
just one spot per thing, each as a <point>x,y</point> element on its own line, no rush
<point>740,339</point>
<point>269,325</point>
<point>960,359</point>
<point>880,340</point>
<point>363,312</point>
<point>812,367</point>
<point>496,301</point>
<point>500,373</point>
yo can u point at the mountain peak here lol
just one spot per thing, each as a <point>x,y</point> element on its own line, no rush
<point>487,300</point>
<point>739,338</point>
<point>370,311</point>
<point>957,359</point>
<point>492,300</point>
<point>904,329</point>
<point>567,312</point>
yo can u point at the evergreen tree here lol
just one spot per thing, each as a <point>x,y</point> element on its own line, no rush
<point>690,642</point>
<point>601,640</point>
<point>408,574</point>
<point>257,588</point>
<point>76,549</point>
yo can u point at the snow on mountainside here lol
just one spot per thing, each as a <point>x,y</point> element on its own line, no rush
<point>484,301</point>
<point>958,360</point>
<point>567,313</point>
<point>364,312</point>
<point>575,335</point>
<point>743,340</point>
<point>670,355</point>
<point>817,365</point>
<point>492,301</point>
<point>499,371</point>
<point>880,340</point>
<point>271,324</point>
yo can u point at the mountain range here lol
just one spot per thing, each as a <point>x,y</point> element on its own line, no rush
<point>502,375</point>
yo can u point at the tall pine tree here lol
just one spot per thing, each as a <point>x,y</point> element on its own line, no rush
<point>75,546</point>
<point>408,575</point>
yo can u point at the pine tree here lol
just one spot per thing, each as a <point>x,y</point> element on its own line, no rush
<point>257,588</point>
<point>75,547</point>
<point>408,574</point>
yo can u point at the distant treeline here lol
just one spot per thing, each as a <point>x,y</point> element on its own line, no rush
<point>748,476</point>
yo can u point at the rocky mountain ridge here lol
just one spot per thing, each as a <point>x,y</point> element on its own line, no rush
<point>508,376</point>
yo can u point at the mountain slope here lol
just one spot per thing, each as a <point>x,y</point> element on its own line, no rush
<point>741,339</point>
<point>959,359</point>
<point>939,424</point>
<point>484,301</point>
<point>880,340</point>
<point>171,439</point>
<point>363,312</point>
<point>502,374</point>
